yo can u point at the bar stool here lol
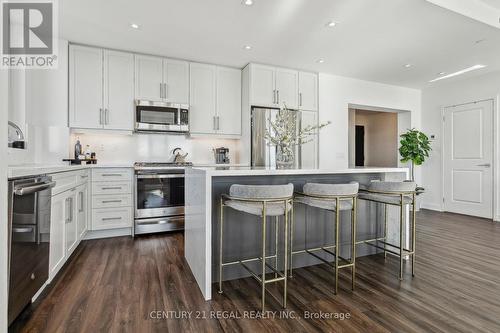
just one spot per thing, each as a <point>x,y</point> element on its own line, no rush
<point>398,194</point>
<point>334,198</point>
<point>263,201</point>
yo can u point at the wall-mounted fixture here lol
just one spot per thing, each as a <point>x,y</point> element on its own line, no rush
<point>16,137</point>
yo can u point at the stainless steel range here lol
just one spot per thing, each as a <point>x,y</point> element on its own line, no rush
<point>159,197</point>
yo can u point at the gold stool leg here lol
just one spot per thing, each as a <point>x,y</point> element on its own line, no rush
<point>276,224</point>
<point>263,256</point>
<point>385,229</point>
<point>353,245</point>
<point>337,245</point>
<point>413,237</point>
<point>401,241</point>
<point>292,218</point>
<point>286,253</point>
<point>220,243</point>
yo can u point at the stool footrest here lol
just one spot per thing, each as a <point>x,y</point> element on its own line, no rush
<point>405,251</point>
<point>349,263</point>
<point>246,260</point>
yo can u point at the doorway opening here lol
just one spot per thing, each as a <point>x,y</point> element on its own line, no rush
<point>374,135</point>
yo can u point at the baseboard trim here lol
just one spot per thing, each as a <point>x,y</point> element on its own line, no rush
<point>96,234</point>
<point>496,218</point>
<point>431,206</point>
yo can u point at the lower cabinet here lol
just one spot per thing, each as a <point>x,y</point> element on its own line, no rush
<point>69,217</point>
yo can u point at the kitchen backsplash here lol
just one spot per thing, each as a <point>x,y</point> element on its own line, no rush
<point>129,148</point>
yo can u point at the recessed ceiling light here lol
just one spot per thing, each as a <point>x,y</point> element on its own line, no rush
<point>247,2</point>
<point>320,61</point>
<point>407,65</point>
<point>441,73</point>
<point>134,26</point>
<point>469,69</point>
<point>331,24</point>
<point>247,47</point>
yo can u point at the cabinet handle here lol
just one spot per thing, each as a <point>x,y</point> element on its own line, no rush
<point>161,90</point>
<point>218,123</point>
<point>111,175</point>
<point>70,209</point>
<point>80,210</point>
<point>106,116</point>
<point>274,96</point>
<point>215,123</point>
<point>112,188</point>
<point>111,218</point>
<point>300,99</point>
<point>111,201</point>
<point>100,116</point>
<point>277,97</point>
<point>165,94</point>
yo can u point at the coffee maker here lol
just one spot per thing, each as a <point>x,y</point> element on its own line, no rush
<point>221,155</point>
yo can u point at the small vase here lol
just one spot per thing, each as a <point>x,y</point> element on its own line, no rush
<point>284,158</point>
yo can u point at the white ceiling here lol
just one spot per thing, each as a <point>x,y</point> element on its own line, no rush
<point>372,40</point>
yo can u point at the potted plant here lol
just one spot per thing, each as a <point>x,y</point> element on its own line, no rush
<point>284,135</point>
<point>415,147</point>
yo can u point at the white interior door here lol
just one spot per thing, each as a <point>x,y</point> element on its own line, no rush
<point>468,159</point>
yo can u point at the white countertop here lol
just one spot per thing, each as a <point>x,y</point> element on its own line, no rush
<point>27,170</point>
<point>267,171</point>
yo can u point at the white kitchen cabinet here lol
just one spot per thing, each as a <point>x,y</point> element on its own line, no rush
<point>308,91</point>
<point>58,213</point>
<point>309,151</point>
<point>176,81</point>
<point>202,99</point>
<point>82,206</point>
<point>85,87</point>
<point>70,231</point>
<point>287,86</point>
<point>228,101</point>
<point>262,85</point>
<point>118,90</point>
<point>148,77</point>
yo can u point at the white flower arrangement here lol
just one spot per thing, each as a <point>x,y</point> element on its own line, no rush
<point>284,135</point>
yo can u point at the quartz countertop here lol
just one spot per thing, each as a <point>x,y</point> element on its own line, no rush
<point>27,170</point>
<point>265,171</point>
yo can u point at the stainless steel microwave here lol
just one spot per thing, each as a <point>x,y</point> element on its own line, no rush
<point>160,117</point>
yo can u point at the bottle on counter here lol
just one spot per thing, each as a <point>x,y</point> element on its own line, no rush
<point>78,149</point>
<point>88,153</point>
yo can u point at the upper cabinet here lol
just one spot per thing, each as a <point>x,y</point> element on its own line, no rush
<point>275,87</point>
<point>215,100</point>
<point>85,87</point>
<point>101,88</point>
<point>308,91</point>
<point>148,78</point>
<point>159,79</point>
<point>176,81</point>
<point>118,90</point>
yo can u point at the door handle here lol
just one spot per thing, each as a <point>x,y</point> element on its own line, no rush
<point>486,165</point>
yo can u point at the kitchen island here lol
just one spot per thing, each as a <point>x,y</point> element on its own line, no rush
<point>204,186</point>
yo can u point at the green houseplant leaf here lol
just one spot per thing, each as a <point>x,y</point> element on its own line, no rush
<point>415,147</point>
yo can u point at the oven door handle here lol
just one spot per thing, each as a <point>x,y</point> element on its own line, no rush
<point>25,230</point>
<point>159,176</point>
<point>32,189</point>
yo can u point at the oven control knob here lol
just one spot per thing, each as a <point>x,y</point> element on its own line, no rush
<point>32,276</point>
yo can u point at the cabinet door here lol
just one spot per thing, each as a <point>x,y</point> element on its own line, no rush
<point>262,87</point>
<point>228,101</point>
<point>119,90</point>
<point>202,98</point>
<point>309,151</point>
<point>58,209</point>
<point>70,234</point>
<point>287,88</point>
<point>82,211</point>
<point>148,78</point>
<point>176,78</point>
<point>85,87</point>
<point>308,91</point>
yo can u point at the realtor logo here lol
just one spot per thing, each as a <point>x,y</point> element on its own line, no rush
<point>29,34</point>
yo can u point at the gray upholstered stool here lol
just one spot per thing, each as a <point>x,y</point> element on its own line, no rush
<point>398,194</point>
<point>335,198</point>
<point>263,201</point>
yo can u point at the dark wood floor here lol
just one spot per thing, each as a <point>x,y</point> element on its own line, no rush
<point>112,285</point>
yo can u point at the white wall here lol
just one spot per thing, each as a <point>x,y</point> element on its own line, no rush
<point>335,95</point>
<point>3,199</point>
<point>434,99</point>
<point>129,148</point>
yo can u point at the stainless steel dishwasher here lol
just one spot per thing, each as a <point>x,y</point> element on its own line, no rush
<point>29,239</point>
